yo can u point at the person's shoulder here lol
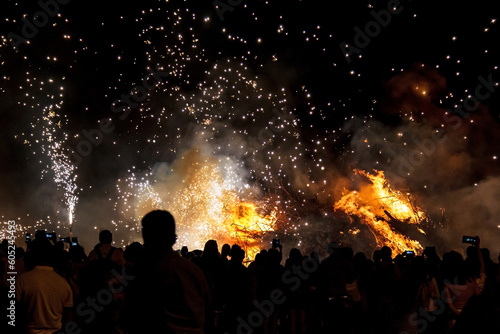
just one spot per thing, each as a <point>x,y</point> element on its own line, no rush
<point>25,275</point>
<point>183,261</point>
<point>187,265</point>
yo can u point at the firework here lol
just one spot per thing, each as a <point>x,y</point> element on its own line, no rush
<point>277,124</point>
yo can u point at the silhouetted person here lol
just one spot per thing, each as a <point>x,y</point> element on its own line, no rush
<point>297,302</point>
<point>77,261</point>
<point>169,294</point>
<point>337,272</point>
<point>226,251</point>
<point>239,293</point>
<point>184,251</point>
<point>100,281</point>
<point>133,254</point>
<point>216,273</point>
<point>382,287</point>
<point>459,287</point>
<point>45,299</point>
<point>104,250</point>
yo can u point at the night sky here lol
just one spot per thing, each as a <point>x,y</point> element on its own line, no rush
<point>262,89</point>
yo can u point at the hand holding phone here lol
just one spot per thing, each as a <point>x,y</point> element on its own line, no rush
<point>469,240</point>
<point>409,253</point>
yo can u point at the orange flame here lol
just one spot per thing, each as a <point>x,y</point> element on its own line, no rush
<point>247,226</point>
<point>207,207</point>
<point>376,200</point>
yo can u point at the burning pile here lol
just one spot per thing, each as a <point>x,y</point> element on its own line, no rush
<point>204,197</point>
<point>376,200</point>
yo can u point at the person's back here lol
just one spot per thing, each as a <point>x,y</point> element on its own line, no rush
<point>43,295</point>
<point>458,287</point>
<point>169,294</point>
<point>105,251</point>
<point>333,275</point>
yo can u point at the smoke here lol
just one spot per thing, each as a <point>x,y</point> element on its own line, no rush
<point>473,211</point>
<point>446,161</point>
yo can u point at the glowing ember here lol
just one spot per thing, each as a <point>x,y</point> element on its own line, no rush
<point>375,200</point>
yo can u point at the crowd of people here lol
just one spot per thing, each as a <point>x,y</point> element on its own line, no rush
<point>151,288</point>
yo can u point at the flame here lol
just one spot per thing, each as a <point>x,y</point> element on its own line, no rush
<point>375,200</point>
<point>208,206</point>
<point>247,226</point>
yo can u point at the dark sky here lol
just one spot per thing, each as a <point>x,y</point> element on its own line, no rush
<point>223,79</point>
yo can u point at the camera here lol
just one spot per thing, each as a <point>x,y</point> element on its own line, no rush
<point>66,240</point>
<point>469,240</point>
<point>276,243</point>
<point>409,253</point>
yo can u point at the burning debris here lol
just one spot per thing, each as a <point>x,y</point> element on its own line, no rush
<point>388,213</point>
<point>208,201</point>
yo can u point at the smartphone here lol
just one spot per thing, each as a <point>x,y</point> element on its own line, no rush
<point>74,241</point>
<point>276,243</point>
<point>28,237</point>
<point>51,236</point>
<point>469,240</point>
<point>409,253</point>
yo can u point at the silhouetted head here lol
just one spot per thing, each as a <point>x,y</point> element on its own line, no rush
<point>5,245</point>
<point>77,254</point>
<point>453,267</point>
<point>347,253</point>
<point>332,247</point>
<point>235,249</point>
<point>431,254</point>
<point>105,237</point>
<point>133,252</point>
<point>189,255</point>
<point>485,253</point>
<point>226,250</point>
<point>237,253</point>
<point>211,249</point>
<point>273,256</point>
<point>60,245</point>
<point>158,230</point>
<point>386,252</point>
<point>40,234</point>
<point>360,258</point>
<point>259,259</point>
<point>295,256</point>
<point>43,252</point>
<point>20,252</point>
<point>471,252</point>
<point>184,250</point>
